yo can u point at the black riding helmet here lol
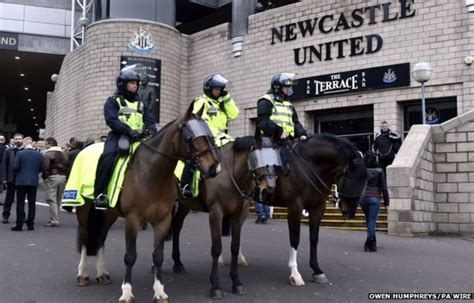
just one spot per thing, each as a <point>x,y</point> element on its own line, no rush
<point>280,80</point>
<point>216,80</point>
<point>127,74</point>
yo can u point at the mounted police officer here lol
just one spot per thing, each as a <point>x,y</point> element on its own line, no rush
<point>276,116</point>
<point>128,119</point>
<point>219,109</point>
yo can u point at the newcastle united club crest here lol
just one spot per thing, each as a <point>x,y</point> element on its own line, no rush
<point>142,42</point>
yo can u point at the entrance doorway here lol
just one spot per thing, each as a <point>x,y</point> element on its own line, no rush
<point>354,123</point>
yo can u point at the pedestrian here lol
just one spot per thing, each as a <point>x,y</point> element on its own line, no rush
<point>28,165</point>
<point>386,145</point>
<point>75,146</point>
<point>8,175</point>
<point>263,212</point>
<point>128,118</point>
<point>219,109</point>
<point>3,147</point>
<point>370,202</point>
<point>55,168</point>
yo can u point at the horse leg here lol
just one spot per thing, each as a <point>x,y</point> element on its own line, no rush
<point>103,276</point>
<point>82,278</point>
<point>177,225</point>
<point>131,230</point>
<point>294,222</point>
<point>237,287</point>
<point>161,229</point>
<point>241,258</point>
<point>215,223</point>
<point>314,220</point>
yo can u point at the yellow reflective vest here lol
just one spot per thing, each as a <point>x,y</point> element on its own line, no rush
<point>131,113</point>
<point>217,114</point>
<point>282,114</point>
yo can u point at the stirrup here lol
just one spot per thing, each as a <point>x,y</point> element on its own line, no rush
<point>101,202</point>
<point>186,191</point>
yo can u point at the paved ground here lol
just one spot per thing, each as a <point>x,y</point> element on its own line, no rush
<point>40,266</point>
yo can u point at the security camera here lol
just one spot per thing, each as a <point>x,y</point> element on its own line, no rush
<point>54,77</point>
<point>470,5</point>
<point>468,60</point>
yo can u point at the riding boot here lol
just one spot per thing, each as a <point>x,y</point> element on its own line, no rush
<point>101,202</point>
<point>186,179</point>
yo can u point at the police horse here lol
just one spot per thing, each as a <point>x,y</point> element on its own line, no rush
<point>314,165</point>
<point>227,196</point>
<point>148,195</point>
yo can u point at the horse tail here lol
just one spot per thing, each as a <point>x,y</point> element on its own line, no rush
<point>95,223</point>
<point>226,221</point>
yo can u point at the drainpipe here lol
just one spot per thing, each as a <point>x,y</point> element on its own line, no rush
<point>241,10</point>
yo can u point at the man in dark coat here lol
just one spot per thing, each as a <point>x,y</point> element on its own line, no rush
<point>28,165</point>
<point>386,145</point>
<point>8,176</point>
<point>3,147</point>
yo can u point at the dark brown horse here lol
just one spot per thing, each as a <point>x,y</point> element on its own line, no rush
<point>148,195</point>
<point>314,166</point>
<point>227,196</point>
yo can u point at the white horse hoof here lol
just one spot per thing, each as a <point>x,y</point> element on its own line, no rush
<point>127,295</point>
<point>242,261</point>
<point>220,261</point>
<point>321,279</point>
<point>296,280</point>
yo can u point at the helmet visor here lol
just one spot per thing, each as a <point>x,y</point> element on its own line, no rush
<point>218,81</point>
<point>287,79</point>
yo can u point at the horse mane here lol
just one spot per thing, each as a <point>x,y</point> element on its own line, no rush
<point>243,143</point>
<point>344,148</point>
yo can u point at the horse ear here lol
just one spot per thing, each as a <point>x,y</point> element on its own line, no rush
<point>258,138</point>
<point>189,112</point>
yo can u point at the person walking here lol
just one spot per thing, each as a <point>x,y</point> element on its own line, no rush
<point>386,145</point>
<point>28,165</point>
<point>55,168</point>
<point>8,175</point>
<point>370,203</point>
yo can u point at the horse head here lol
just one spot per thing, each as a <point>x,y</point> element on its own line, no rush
<point>352,185</point>
<point>199,143</point>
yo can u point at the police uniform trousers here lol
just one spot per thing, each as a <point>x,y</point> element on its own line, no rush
<point>106,164</point>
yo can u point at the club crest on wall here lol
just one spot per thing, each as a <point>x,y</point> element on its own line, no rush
<point>142,42</point>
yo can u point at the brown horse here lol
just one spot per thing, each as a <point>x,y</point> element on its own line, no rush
<point>227,196</point>
<point>148,195</point>
<point>314,166</point>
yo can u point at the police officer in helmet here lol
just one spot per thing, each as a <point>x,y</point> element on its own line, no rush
<point>219,109</point>
<point>276,116</point>
<point>128,118</point>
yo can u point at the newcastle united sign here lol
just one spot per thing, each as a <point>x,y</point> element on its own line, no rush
<point>376,78</point>
<point>319,26</point>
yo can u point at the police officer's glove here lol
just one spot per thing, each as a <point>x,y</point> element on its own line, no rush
<point>224,93</point>
<point>303,138</point>
<point>151,132</point>
<point>135,135</point>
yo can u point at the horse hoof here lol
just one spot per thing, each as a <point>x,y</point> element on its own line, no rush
<point>239,290</point>
<point>179,269</point>
<point>104,279</point>
<point>82,281</point>
<point>217,294</point>
<point>131,300</point>
<point>155,300</point>
<point>296,281</point>
<point>320,279</point>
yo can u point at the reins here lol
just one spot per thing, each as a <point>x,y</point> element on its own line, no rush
<point>231,175</point>
<point>315,175</point>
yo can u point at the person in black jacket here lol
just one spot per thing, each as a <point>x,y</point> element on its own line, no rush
<point>370,202</point>
<point>8,175</point>
<point>386,145</point>
<point>127,117</point>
